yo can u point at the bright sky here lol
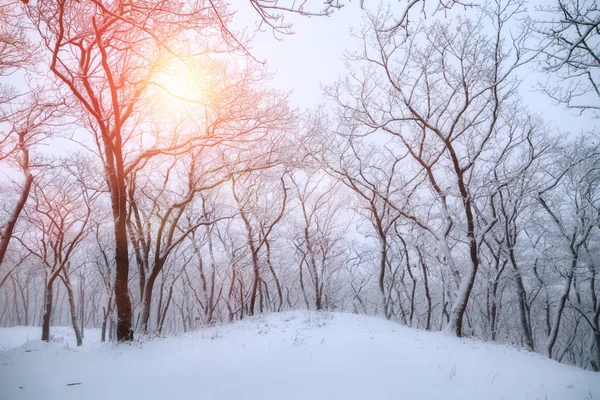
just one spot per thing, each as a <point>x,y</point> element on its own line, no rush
<point>312,57</point>
<point>309,57</point>
<point>303,62</point>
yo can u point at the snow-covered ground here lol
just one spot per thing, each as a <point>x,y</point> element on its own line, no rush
<point>297,355</point>
<point>17,336</point>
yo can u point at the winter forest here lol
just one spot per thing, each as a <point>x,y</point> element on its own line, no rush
<point>154,180</point>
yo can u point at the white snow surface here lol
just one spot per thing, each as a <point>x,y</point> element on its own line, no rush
<point>292,355</point>
<point>17,336</point>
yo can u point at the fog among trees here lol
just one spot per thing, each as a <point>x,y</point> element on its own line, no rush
<point>155,180</point>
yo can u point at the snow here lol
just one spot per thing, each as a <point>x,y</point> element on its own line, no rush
<point>16,336</point>
<point>293,355</point>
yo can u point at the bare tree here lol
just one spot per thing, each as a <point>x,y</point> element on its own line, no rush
<point>441,92</point>
<point>157,223</point>
<point>103,260</point>
<point>569,43</point>
<point>24,115</point>
<point>59,217</point>
<point>256,197</point>
<point>373,177</point>
<point>96,55</point>
<point>318,235</point>
<point>574,221</point>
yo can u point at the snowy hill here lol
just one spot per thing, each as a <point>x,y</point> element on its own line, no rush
<point>297,355</point>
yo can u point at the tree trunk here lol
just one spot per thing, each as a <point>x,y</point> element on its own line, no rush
<point>118,193</point>
<point>255,265</point>
<point>427,296</point>
<point>122,300</point>
<point>255,280</point>
<point>8,229</point>
<point>47,311</point>
<point>242,302</point>
<point>522,303</point>
<point>381,279</point>
<point>25,299</point>
<point>15,301</point>
<point>147,303</point>
<point>559,309</point>
<point>597,344</point>
<point>412,294</point>
<point>72,308</point>
<point>301,278</point>
<point>81,303</point>
<point>164,312</point>
<point>211,304</point>
<point>455,325</point>
<point>274,274</point>
<point>511,239</point>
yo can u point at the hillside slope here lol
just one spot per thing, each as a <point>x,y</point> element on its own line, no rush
<point>295,355</point>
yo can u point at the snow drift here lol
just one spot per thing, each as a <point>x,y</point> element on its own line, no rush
<point>294,355</point>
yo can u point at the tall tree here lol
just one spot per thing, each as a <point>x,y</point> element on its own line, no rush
<point>443,92</point>
<point>25,115</point>
<point>60,217</point>
<point>107,56</point>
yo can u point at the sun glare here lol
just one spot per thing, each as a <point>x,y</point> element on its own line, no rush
<point>179,85</point>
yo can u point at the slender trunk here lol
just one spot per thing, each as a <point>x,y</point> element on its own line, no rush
<point>381,278</point>
<point>412,294</point>
<point>3,312</point>
<point>25,299</point>
<point>15,301</point>
<point>413,280</point>
<point>231,294</point>
<point>310,260</point>
<point>261,302</point>
<point>559,309</point>
<point>255,280</point>
<point>72,308</point>
<point>81,303</point>
<point>495,301</point>
<point>596,310</point>
<point>211,304</point>
<point>147,303</point>
<point>522,305</point>
<point>597,345</point>
<point>107,311</point>
<point>159,307</point>
<point>8,229</point>
<point>400,307</point>
<point>301,278</point>
<point>48,298</point>
<point>277,284</point>
<point>511,239</point>
<point>546,302</point>
<point>255,264</point>
<point>427,295</point>
<point>444,303</point>
<point>455,325</point>
<point>164,312</point>
<point>318,286</point>
<point>596,328</point>
<point>242,302</point>
<point>493,312</point>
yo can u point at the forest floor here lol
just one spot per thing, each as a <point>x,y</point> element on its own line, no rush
<point>292,355</point>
